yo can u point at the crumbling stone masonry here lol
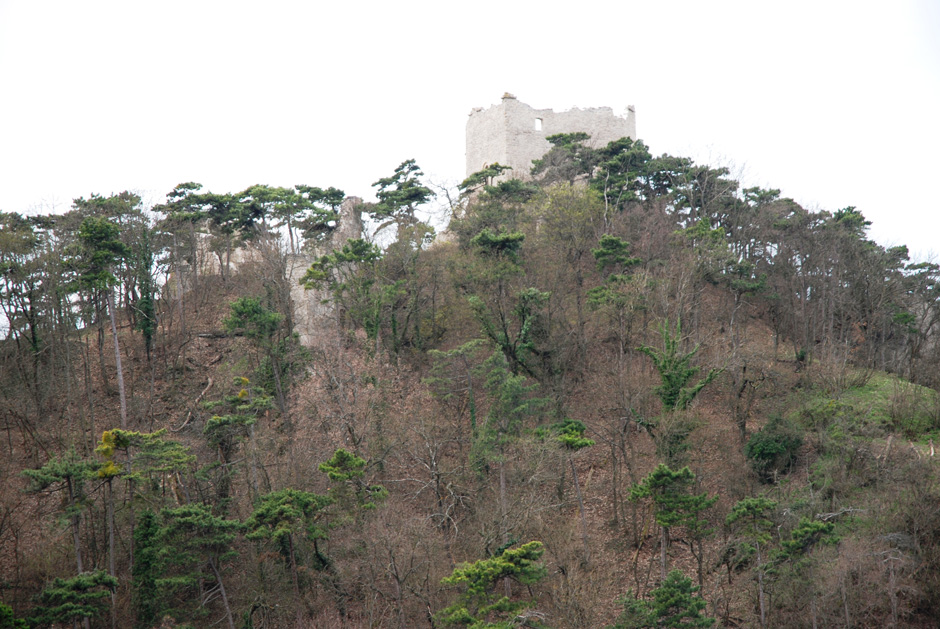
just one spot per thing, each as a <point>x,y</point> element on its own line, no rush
<point>513,133</point>
<point>312,315</point>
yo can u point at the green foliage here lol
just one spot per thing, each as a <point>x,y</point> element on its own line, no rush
<point>881,402</point>
<point>636,613</point>
<point>620,293</point>
<point>516,342</point>
<point>512,402</point>
<point>191,536</point>
<point>670,494</point>
<point>154,457</point>
<point>353,276</point>
<point>513,191</point>
<point>147,569</point>
<point>804,537</point>
<point>141,259</point>
<point>621,172</point>
<point>613,252</point>
<point>479,605</point>
<point>501,245</point>
<point>571,434</point>
<point>224,432</point>
<point>102,248</point>
<point>399,195</point>
<point>254,320</point>
<point>346,470</point>
<point>751,517</point>
<point>675,603</point>
<point>70,472</point>
<point>675,370</point>
<point>68,600</point>
<point>482,178</point>
<point>315,210</point>
<point>288,513</point>
<point>8,620</point>
<point>567,160</point>
<point>772,450</point>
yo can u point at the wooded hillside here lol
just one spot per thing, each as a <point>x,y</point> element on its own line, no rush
<point>626,393</point>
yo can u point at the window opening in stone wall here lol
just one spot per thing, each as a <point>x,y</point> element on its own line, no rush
<point>538,124</point>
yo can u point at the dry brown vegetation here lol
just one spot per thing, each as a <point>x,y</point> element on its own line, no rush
<point>444,370</point>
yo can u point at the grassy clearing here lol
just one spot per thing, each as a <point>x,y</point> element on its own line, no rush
<point>876,404</point>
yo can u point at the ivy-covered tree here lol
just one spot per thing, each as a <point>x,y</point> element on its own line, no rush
<point>512,403</point>
<point>264,328</point>
<point>675,370</point>
<point>146,570</point>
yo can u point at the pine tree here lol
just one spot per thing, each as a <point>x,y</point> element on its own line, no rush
<point>480,605</point>
<point>346,470</point>
<point>69,472</point>
<point>78,598</point>
<point>103,249</point>
<point>192,537</point>
<point>8,620</point>
<point>284,518</point>
<point>675,603</point>
<point>750,517</point>
<point>675,505</point>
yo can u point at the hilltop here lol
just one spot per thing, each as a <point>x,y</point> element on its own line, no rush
<point>622,379</point>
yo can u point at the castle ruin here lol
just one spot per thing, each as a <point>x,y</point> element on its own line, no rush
<point>513,133</point>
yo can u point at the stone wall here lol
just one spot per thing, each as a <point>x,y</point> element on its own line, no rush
<point>312,313</point>
<point>513,133</point>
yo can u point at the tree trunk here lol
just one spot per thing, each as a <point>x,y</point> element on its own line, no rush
<point>760,589</point>
<point>109,505</point>
<point>228,609</point>
<point>76,540</point>
<point>117,360</point>
<point>293,571</point>
<point>503,514</point>
<point>278,388</point>
<point>584,535</point>
<point>105,381</point>
<point>663,542</point>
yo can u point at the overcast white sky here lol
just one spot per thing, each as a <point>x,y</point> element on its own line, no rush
<point>834,102</point>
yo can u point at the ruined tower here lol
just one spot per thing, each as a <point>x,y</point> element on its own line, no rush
<point>513,133</point>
